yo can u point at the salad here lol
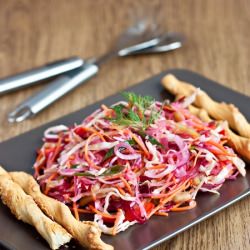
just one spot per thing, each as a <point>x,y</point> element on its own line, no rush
<point>135,159</point>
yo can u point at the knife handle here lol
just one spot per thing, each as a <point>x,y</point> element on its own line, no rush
<point>55,90</point>
<point>30,77</point>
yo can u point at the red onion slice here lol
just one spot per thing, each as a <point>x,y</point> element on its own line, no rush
<point>131,156</point>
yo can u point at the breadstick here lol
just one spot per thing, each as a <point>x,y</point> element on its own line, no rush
<point>240,144</point>
<point>219,111</point>
<point>86,232</point>
<point>25,209</point>
<point>201,113</point>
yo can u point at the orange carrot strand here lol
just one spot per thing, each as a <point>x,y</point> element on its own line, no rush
<point>219,146</point>
<point>127,186</point>
<point>141,144</point>
<point>47,189</point>
<point>102,213</point>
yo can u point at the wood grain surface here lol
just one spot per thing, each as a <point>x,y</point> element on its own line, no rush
<point>35,32</point>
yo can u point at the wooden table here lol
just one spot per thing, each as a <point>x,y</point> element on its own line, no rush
<point>35,32</point>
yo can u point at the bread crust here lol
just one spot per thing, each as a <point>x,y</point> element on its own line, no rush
<point>26,210</point>
<point>220,111</point>
<point>86,232</point>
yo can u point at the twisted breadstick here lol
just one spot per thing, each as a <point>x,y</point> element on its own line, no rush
<point>219,111</point>
<point>201,113</point>
<point>240,144</point>
<point>25,209</point>
<point>86,232</point>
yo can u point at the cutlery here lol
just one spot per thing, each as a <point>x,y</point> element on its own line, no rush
<point>67,82</point>
<point>140,36</point>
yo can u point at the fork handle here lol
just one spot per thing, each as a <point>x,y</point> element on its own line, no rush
<point>51,93</point>
<point>30,77</point>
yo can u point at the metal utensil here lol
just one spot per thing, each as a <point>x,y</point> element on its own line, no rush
<point>140,36</point>
<point>66,83</point>
<point>171,41</point>
<point>36,75</point>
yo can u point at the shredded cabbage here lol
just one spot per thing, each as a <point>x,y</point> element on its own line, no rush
<point>132,160</point>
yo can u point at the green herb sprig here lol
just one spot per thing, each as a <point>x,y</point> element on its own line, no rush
<point>142,102</point>
<point>150,138</point>
<point>134,114</point>
<point>116,169</point>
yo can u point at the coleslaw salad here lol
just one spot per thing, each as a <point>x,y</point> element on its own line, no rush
<point>135,159</point>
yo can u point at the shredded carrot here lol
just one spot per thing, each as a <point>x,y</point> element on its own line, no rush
<point>47,189</point>
<point>169,198</point>
<point>157,167</point>
<point>140,114</point>
<point>92,130</point>
<point>84,211</point>
<point>192,205</point>
<point>219,152</point>
<point>120,190</point>
<point>219,146</point>
<point>109,216</point>
<point>39,157</point>
<point>141,144</point>
<point>127,186</point>
<point>198,126</point>
<point>115,176</point>
<point>161,213</point>
<point>149,206</point>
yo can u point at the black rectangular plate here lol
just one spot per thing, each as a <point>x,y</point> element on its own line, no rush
<point>19,154</point>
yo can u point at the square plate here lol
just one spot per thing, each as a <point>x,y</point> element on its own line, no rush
<point>18,153</point>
